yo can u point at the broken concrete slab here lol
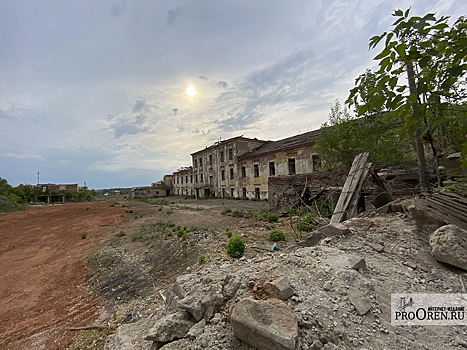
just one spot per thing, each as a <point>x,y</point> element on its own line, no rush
<point>197,329</point>
<point>449,245</point>
<point>266,325</point>
<point>359,301</point>
<point>350,261</point>
<point>203,302</point>
<point>360,223</point>
<point>279,288</point>
<point>131,336</point>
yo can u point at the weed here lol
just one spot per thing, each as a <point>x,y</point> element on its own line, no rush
<point>123,205</point>
<point>206,229</point>
<point>235,247</point>
<point>83,236</point>
<point>114,315</point>
<point>229,232</point>
<point>121,234</point>
<point>88,207</point>
<point>121,216</point>
<point>112,205</point>
<point>306,224</point>
<point>136,216</point>
<point>237,213</point>
<point>160,209</point>
<point>137,236</point>
<point>202,259</point>
<point>273,217</point>
<point>226,211</point>
<point>170,211</point>
<point>276,235</point>
<point>185,253</point>
<point>129,211</point>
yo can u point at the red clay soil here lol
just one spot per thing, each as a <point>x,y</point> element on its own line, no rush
<point>42,265</point>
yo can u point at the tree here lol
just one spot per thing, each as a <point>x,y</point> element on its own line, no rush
<point>343,137</point>
<point>421,78</point>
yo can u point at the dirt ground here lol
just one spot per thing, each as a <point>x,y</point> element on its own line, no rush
<point>63,266</point>
<point>42,270</point>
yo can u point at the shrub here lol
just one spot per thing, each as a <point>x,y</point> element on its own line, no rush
<point>273,217</point>
<point>137,236</point>
<point>306,224</point>
<point>83,236</point>
<point>276,235</point>
<point>229,232</point>
<point>88,207</point>
<point>226,211</point>
<point>236,247</point>
<point>121,234</point>
<point>202,259</point>
<point>123,205</point>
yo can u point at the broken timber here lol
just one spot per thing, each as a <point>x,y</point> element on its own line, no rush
<point>347,204</point>
<point>449,207</point>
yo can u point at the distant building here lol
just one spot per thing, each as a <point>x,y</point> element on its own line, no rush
<point>60,189</point>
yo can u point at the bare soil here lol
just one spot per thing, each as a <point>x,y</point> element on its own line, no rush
<point>42,268</point>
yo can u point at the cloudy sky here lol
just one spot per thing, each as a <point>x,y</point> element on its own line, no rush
<point>95,91</point>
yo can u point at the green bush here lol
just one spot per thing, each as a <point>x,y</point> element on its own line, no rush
<point>137,236</point>
<point>121,234</point>
<point>83,236</point>
<point>226,211</point>
<point>235,247</point>
<point>273,217</point>
<point>306,224</point>
<point>276,235</point>
<point>88,207</point>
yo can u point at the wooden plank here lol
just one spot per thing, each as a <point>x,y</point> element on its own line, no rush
<point>356,195</point>
<point>384,197</point>
<point>450,207</point>
<point>350,185</point>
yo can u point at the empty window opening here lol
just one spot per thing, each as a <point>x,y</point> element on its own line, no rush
<point>272,169</point>
<point>291,166</point>
<point>256,170</point>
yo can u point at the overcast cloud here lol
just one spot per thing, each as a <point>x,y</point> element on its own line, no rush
<point>95,90</point>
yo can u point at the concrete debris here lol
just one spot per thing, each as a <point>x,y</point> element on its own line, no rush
<point>129,336</point>
<point>334,230</point>
<point>197,329</point>
<point>170,327</point>
<point>375,246</point>
<point>266,325</point>
<point>359,301</point>
<point>449,245</point>
<point>360,223</point>
<point>279,288</point>
<point>350,261</point>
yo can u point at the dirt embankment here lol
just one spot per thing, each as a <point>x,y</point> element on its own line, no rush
<point>42,266</point>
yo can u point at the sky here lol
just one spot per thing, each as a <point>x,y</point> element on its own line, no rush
<point>95,91</point>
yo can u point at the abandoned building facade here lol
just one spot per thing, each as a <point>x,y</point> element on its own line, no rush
<point>241,167</point>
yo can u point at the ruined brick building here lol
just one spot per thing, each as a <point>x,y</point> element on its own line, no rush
<point>241,167</point>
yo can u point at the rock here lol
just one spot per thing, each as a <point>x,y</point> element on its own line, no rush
<point>266,325</point>
<point>350,261</point>
<point>361,224</point>
<point>197,329</point>
<point>203,302</point>
<point>176,345</point>
<point>449,245</point>
<point>410,264</point>
<point>334,230</point>
<point>317,345</point>
<point>357,299</point>
<point>130,336</point>
<point>425,217</point>
<point>459,342</point>
<point>279,288</point>
<point>312,239</point>
<point>171,327</point>
<point>375,246</point>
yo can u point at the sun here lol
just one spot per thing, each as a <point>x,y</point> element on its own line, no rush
<point>191,91</point>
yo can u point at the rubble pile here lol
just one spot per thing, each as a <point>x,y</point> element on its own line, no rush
<point>333,292</point>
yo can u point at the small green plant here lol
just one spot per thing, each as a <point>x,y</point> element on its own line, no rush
<point>306,224</point>
<point>121,216</point>
<point>112,205</point>
<point>185,253</point>
<point>136,216</point>
<point>114,315</point>
<point>160,209</point>
<point>129,211</point>
<point>236,247</point>
<point>229,232</point>
<point>237,213</point>
<point>83,236</point>
<point>273,217</point>
<point>202,259</point>
<point>137,236</point>
<point>123,205</point>
<point>121,234</point>
<point>276,235</point>
<point>88,207</point>
<point>226,211</point>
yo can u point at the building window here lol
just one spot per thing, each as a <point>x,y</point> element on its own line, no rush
<point>231,174</point>
<point>201,177</point>
<point>186,179</point>
<point>210,159</point>
<point>230,153</point>
<point>196,178</point>
<point>272,169</point>
<point>195,163</point>
<point>178,180</point>
<point>256,170</point>
<point>316,161</point>
<point>231,192</point>
<point>191,178</point>
<point>211,180</point>
<point>291,166</point>
<point>257,193</point>
<point>223,174</point>
<point>200,161</point>
<point>244,192</point>
<point>243,172</point>
<point>222,156</point>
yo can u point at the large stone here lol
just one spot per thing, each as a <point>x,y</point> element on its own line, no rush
<point>361,224</point>
<point>449,245</point>
<point>359,301</point>
<point>203,302</point>
<point>266,325</point>
<point>279,288</point>
<point>171,327</point>
<point>349,261</point>
<point>130,336</point>
<point>334,230</point>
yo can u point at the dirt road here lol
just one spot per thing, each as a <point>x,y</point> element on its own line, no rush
<point>42,265</point>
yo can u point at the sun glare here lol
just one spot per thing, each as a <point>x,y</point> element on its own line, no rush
<point>191,91</point>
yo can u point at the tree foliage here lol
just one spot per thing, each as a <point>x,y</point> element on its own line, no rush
<point>421,79</point>
<point>343,137</point>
